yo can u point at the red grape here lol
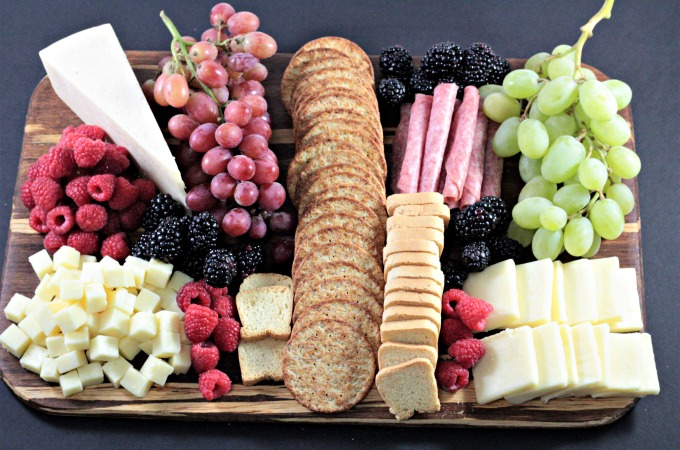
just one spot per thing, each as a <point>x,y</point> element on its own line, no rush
<point>164,60</point>
<point>234,77</point>
<point>159,90</point>
<point>219,213</point>
<point>283,250</point>
<point>202,138</point>
<point>147,89</point>
<point>242,22</point>
<point>194,175</point>
<point>267,118</point>
<point>185,156</point>
<point>188,41</point>
<point>238,112</point>
<point>212,74</point>
<point>241,62</point>
<point>246,193</point>
<point>258,228</point>
<point>220,13</point>
<point>258,73</point>
<point>211,35</point>
<point>221,57</point>
<point>181,126</point>
<point>258,126</point>
<point>229,135</point>
<point>215,160</point>
<point>200,199</point>
<point>266,171</point>
<point>176,90</point>
<point>282,222</point>
<point>270,155</point>
<point>272,196</point>
<point>221,94</point>
<point>203,51</point>
<point>249,87</point>
<point>241,168</point>
<point>253,146</point>
<point>259,44</point>
<point>222,186</point>
<point>202,108</point>
<point>236,222</point>
<point>257,104</point>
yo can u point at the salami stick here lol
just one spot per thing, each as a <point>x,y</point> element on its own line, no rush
<point>437,134</point>
<point>493,165</point>
<point>409,172</point>
<point>473,182</point>
<point>449,144</point>
<point>399,143</point>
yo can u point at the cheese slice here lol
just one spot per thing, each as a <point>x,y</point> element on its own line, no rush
<point>579,292</point>
<point>497,285</point>
<point>570,360</point>
<point>588,363</point>
<point>602,334</point>
<point>559,309</point>
<point>608,305</point>
<point>649,380</point>
<point>91,74</point>
<point>625,352</point>
<point>625,290</point>
<point>534,292</point>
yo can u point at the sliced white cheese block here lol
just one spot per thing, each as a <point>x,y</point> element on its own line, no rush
<point>534,292</point>
<point>602,334</point>
<point>570,360</point>
<point>588,363</point>
<point>497,285</point>
<point>625,290</point>
<point>649,380</point>
<point>508,367</point>
<point>559,309</point>
<point>91,74</point>
<point>608,306</point>
<point>579,292</point>
<point>624,366</point>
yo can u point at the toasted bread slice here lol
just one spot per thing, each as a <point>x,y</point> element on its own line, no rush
<point>399,313</point>
<point>423,285</point>
<point>433,222</point>
<point>409,387</point>
<point>393,353</point>
<point>417,331</point>
<point>411,259</point>
<point>410,245</point>
<point>417,272</point>
<point>429,209</point>
<point>265,311</point>
<point>261,360</point>
<point>420,198</point>
<point>400,298</point>
<point>258,280</point>
<point>403,234</point>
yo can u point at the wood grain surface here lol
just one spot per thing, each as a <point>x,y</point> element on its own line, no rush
<point>180,398</point>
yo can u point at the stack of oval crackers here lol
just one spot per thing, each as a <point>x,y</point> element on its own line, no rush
<point>337,182</point>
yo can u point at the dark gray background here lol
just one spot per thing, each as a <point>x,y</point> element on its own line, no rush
<point>639,45</point>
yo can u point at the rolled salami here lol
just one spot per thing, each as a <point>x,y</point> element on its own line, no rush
<point>437,134</point>
<point>473,182</point>
<point>409,173</point>
<point>493,165</point>
<point>458,159</point>
<point>449,144</point>
<point>399,143</point>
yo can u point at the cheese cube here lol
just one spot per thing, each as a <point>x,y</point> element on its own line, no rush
<point>34,304</point>
<point>128,347</point>
<point>133,261</point>
<point>559,309</point>
<point>41,263</point>
<point>124,301</point>
<point>143,326</point>
<point>534,292</point>
<point>70,383</point>
<point>175,309</point>
<point>649,379</point>
<point>146,347</point>
<point>71,318</point>
<point>77,340</point>
<point>497,285</point>
<point>158,273</point>
<point>15,340</point>
<point>625,351</point>
<point>608,307</point>
<point>91,374</point>
<point>103,348</point>
<point>33,358</point>
<point>62,274</point>
<point>166,344</point>
<point>16,308</point>
<point>115,370</point>
<point>178,280</point>
<point>147,301</point>
<point>168,321</point>
<point>114,276</point>
<point>181,362</point>
<point>183,334</point>
<point>92,272</point>
<point>87,259</point>
<point>156,370</point>
<point>43,315</point>
<point>71,290</point>
<point>70,361</point>
<point>129,278</point>
<point>45,289</point>
<point>136,383</point>
<point>108,261</point>
<point>95,298</point>
<point>627,294</point>
<point>31,327</point>
<point>168,298</point>
<point>509,352</point>
<point>588,363</point>
<point>579,292</point>
<point>114,322</point>
<point>67,257</point>
<point>56,346</point>
<point>93,324</point>
<point>48,371</point>
<point>137,268</point>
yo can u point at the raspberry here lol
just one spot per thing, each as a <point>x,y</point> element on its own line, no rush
<point>87,152</point>
<point>46,192</point>
<point>114,161</point>
<point>192,293</point>
<point>467,352</point>
<point>69,140</point>
<point>91,131</point>
<point>204,356</point>
<point>101,187</point>
<point>452,295</point>
<point>131,218</point>
<point>213,384</point>
<point>451,376</point>
<point>91,217</point>
<point>454,330</point>
<point>224,306</point>
<point>76,190</point>
<point>118,149</point>
<point>147,189</point>
<point>54,241</point>
<point>60,220</point>
<point>227,334</point>
<point>473,312</point>
<point>116,247</point>
<point>38,220</point>
<point>124,195</point>
<point>86,243</point>
<point>199,323</point>
<point>40,168</point>
<point>62,164</point>
<point>68,130</point>
<point>26,196</point>
<point>214,291</point>
<point>112,225</point>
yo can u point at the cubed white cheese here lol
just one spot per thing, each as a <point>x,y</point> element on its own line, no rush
<point>128,347</point>
<point>67,257</point>
<point>71,290</point>
<point>95,298</point>
<point>147,301</point>
<point>92,273</point>
<point>146,347</point>
<point>168,321</point>
<point>143,326</point>
<point>115,370</point>
<point>56,346</point>
<point>48,371</point>
<point>166,344</point>
<point>103,348</point>
<point>91,374</point>
<point>77,340</point>
<point>71,318</point>
<point>92,324</point>
<point>70,361</point>
<point>87,259</point>
<point>181,362</point>
<point>31,327</point>
<point>183,334</point>
<point>15,340</point>
<point>62,274</point>
<point>156,370</point>
<point>158,273</point>
<point>497,285</point>
<point>34,304</point>
<point>70,383</point>
<point>41,263</point>
<point>124,301</point>
<point>114,322</point>
<point>178,280</point>
<point>114,276</point>
<point>16,308</point>
<point>33,358</point>
<point>45,289</point>
<point>136,383</point>
<point>43,315</point>
<point>168,298</point>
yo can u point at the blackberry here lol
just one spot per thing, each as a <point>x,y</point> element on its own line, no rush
<point>454,275</point>
<point>219,268</point>
<point>192,264</point>
<point>168,240</point>
<point>160,207</point>
<point>419,84</point>
<point>391,92</point>
<point>498,68</point>
<point>501,212</point>
<point>396,62</point>
<point>481,48</point>
<point>203,230</point>
<point>442,60</point>
<point>248,259</point>
<point>142,248</point>
<point>475,256</point>
<point>474,222</point>
<point>502,248</point>
<point>475,72</point>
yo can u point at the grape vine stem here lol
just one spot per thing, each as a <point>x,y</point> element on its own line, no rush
<point>587,32</point>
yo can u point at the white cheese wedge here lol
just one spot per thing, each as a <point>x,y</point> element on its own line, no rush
<point>91,74</point>
<point>579,292</point>
<point>624,366</point>
<point>508,367</point>
<point>534,292</point>
<point>649,380</point>
<point>497,285</point>
<point>559,309</point>
<point>608,306</point>
<point>587,358</point>
<point>627,294</point>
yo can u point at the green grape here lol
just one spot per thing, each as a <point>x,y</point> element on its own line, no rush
<point>588,74</point>
<point>572,198</point>
<point>488,89</point>
<point>592,251</point>
<point>527,213</point>
<point>522,83</point>
<point>581,117</point>
<point>561,67</point>
<point>553,218</point>
<point>592,174</point>
<point>534,63</point>
<point>596,100</point>
<point>529,168</point>
<point>623,161</point>
<point>532,138</point>
<point>564,48</point>
<point>614,178</point>
<point>578,236</point>
<point>607,218</point>
<point>562,160</point>
<point>557,95</point>
<point>521,235</point>
<point>538,187</point>
<point>560,125</point>
<point>547,244</point>
<point>499,107</point>
<point>621,91</point>
<point>536,114</point>
<point>622,195</point>
<point>572,180</point>
<point>505,140</point>
<point>612,132</point>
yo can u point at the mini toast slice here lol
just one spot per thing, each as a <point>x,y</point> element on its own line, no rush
<point>411,259</point>
<point>399,298</point>
<point>258,280</point>
<point>420,198</point>
<point>393,353</point>
<point>416,272</point>
<point>400,313</point>
<point>404,234</point>
<point>433,222</point>
<point>261,360</point>
<point>410,245</point>
<point>414,285</point>
<point>418,331</point>
<point>265,311</point>
<point>409,387</point>
<point>429,209</point>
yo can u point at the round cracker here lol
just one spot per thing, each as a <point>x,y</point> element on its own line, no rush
<point>309,177</point>
<point>359,91</point>
<point>330,235</point>
<point>325,188</point>
<point>328,77</point>
<point>338,219</point>
<point>347,47</point>
<point>343,269</point>
<point>370,121</point>
<point>334,287</point>
<point>348,126</point>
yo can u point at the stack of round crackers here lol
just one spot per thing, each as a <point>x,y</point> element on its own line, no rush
<point>337,182</point>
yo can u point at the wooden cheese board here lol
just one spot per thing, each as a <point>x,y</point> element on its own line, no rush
<point>180,399</point>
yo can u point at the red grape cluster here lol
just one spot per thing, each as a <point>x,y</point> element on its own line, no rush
<point>224,124</point>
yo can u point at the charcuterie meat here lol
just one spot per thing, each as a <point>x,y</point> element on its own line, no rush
<point>473,182</point>
<point>493,165</point>
<point>399,143</point>
<point>409,172</point>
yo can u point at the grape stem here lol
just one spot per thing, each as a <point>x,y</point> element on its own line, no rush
<point>605,12</point>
